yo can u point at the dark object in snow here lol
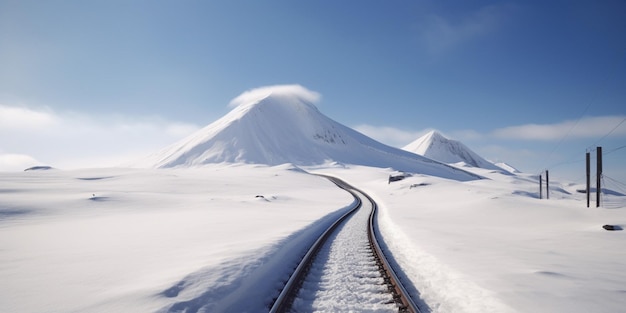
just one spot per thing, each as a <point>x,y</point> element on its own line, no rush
<point>612,227</point>
<point>418,185</point>
<point>395,178</point>
<point>38,168</point>
<point>99,198</point>
<point>263,197</point>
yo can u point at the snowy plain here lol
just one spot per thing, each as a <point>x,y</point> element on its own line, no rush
<point>200,240</point>
<point>493,246</point>
<point>123,240</point>
<point>206,230</point>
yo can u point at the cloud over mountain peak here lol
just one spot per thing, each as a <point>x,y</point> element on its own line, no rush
<point>280,124</point>
<point>291,91</point>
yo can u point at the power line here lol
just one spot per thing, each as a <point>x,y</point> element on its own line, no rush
<point>575,158</point>
<point>619,185</point>
<point>601,89</point>
<point>616,149</point>
<point>616,189</point>
<point>610,132</point>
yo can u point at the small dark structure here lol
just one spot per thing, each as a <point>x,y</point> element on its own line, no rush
<point>395,178</point>
<point>612,227</point>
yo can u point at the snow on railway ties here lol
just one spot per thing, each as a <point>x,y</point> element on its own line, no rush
<point>346,272</point>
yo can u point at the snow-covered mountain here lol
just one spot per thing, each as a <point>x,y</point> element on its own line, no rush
<point>280,124</point>
<point>435,146</point>
<point>507,167</point>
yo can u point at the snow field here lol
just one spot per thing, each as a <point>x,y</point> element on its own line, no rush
<point>120,240</point>
<point>344,276</point>
<point>156,239</point>
<point>492,246</point>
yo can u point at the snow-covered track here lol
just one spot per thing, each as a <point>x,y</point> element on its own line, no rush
<point>401,295</point>
<point>372,268</point>
<point>289,292</point>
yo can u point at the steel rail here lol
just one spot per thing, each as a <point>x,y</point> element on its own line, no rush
<point>401,295</point>
<point>289,292</point>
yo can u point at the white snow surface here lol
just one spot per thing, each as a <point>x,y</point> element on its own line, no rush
<point>508,167</point>
<point>200,240</point>
<point>493,246</point>
<point>436,146</point>
<point>280,124</point>
<point>120,240</point>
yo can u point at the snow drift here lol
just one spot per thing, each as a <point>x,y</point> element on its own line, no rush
<point>280,124</point>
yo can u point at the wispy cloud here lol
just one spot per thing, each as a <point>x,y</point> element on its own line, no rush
<point>499,153</point>
<point>16,162</point>
<point>390,135</point>
<point>588,127</point>
<point>439,33</point>
<point>71,140</point>
<point>14,118</point>
<point>257,94</point>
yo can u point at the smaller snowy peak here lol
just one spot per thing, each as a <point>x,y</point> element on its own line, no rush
<point>436,146</point>
<point>507,167</point>
<point>423,145</point>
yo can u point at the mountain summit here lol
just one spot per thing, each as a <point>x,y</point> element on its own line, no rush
<point>435,146</point>
<point>280,124</point>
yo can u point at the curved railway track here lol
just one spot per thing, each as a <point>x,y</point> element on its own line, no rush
<point>387,290</point>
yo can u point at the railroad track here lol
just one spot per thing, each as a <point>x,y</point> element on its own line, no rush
<point>370,282</point>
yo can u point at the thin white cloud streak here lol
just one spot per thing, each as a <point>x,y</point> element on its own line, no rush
<point>21,119</point>
<point>390,135</point>
<point>499,153</point>
<point>588,127</point>
<point>16,162</point>
<point>439,33</point>
<point>465,135</point>
<point>76,140</point>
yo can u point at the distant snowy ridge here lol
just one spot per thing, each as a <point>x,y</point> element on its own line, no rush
<point>280,124</point>
<point>435,146</point>
<point>507,167</point>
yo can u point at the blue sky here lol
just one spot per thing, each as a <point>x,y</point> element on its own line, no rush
<point>107,80</point>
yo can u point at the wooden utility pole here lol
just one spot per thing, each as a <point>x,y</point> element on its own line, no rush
<point>547,185</point>
<point>599,174</point>
<point>588,173</point>
<point>540,187</point>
